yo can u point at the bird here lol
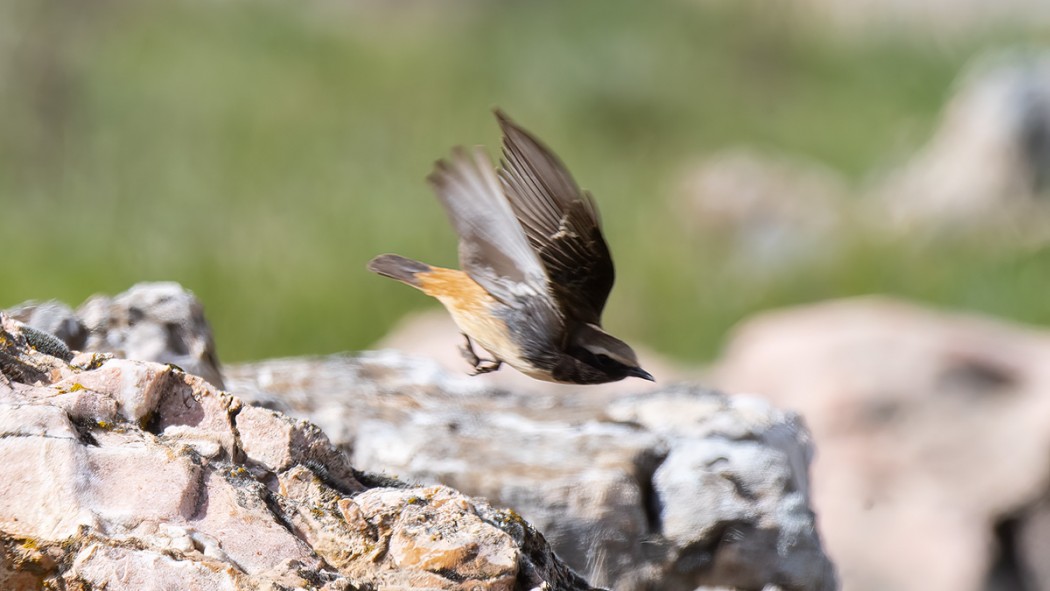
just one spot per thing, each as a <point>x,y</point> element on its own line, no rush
<point>536,270</point>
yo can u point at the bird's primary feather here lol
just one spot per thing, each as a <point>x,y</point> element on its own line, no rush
<point>492,246</point>
<point>560,221</point>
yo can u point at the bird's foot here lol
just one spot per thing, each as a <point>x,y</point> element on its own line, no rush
<point>480,365</point>
<point>486,366</point>
<point>467,351</point>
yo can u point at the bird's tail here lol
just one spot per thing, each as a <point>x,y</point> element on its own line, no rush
<point>398,267</point>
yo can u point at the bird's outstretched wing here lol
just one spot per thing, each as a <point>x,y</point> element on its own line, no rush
<point>493,249</point>
<point>560,222</point>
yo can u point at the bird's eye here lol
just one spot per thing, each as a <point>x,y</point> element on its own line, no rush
<point>604,359</point>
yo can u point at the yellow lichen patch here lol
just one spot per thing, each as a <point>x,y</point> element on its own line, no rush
<point>29,544</point>
<point>94,362</point>
<point>76,387</point>
<point>508,516</point>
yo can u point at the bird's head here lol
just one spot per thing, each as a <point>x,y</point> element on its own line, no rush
<point>606,354</point>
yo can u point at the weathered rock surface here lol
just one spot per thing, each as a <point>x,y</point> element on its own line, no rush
<point>679,488</point>
<point>161,322</point>
<point>934,438</point>
<point>122,474</point>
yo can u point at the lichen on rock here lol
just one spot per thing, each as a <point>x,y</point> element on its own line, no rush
<point>123,474</point>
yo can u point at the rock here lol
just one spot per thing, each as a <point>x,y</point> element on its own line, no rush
<point>989,159</point>
<point>54,318</point>
<point>107,567</point>
<point>766,210</point>
<point>674,489</point>
<point>732,487</point>
<point>1031,536</point>
<point>933,430</point>
<point>123,474</point>
<point>160,322</point>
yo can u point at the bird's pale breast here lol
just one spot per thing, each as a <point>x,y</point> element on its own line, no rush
<point>475,312</point>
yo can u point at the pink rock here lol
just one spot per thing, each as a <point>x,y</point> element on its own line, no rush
<point>930,428</point>
<point>104,567</point>
<point>131,475</point>
<point>135,386</point>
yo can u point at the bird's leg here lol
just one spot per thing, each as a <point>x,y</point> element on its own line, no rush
<point>480,365</point>
<point>467,351</point>
<point>486,366</point>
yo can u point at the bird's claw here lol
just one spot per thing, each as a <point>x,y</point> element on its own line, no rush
<point>480,365</point>
<point>486,366</point>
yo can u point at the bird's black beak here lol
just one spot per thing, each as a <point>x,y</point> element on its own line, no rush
<point>638,372</point>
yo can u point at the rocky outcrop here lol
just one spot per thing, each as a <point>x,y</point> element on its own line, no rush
<point>143,467</point>
<point>934,437</point>
<point>161,322</point>
<point>674,489</point>
<point>123,474</point>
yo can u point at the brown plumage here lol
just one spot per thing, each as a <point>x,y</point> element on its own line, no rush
<point>536,268</point>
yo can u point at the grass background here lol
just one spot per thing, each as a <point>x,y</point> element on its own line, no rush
<point>261,152</point>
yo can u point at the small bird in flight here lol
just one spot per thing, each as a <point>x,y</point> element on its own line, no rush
<point>536,269</point>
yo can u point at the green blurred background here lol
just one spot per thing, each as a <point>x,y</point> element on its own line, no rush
<point>260,153</point>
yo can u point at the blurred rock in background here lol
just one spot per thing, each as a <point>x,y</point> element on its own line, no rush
<point>933,437</point>
<point>989,160</point>
<point>769,211</point>
<point>987,167</point>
